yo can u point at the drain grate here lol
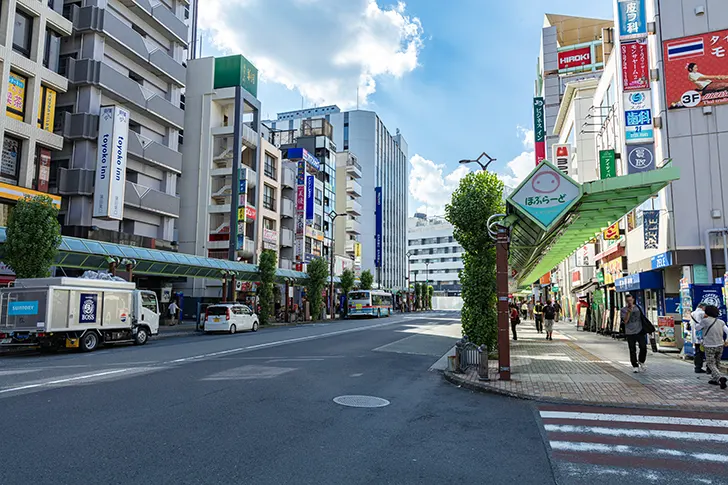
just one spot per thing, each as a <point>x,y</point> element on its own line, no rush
<point>361,401</point>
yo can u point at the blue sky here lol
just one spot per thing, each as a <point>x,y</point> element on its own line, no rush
<point>456,76</point>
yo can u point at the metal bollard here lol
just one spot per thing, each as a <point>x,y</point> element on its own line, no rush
<point>483,363</point>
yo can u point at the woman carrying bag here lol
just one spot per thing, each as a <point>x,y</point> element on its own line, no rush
<point>714,330</point>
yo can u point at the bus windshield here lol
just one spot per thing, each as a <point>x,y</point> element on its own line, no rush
<point>359,295</point>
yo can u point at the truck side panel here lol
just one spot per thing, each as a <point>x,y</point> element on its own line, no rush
<point>23,310</point>
<point>91,308</point>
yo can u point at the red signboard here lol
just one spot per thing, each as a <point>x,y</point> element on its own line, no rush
<point>249,213</point>
<point>575,58</point>
<point>635,65</point>
<point>540,151</point>
<point>696,70</point>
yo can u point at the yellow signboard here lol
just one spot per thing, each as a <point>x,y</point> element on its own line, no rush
<point>612,232</point>
<point>47,109</point>
<point>357,250</point>
<point>612,270</point>
<point>15,104</point>
<point>241,213</point>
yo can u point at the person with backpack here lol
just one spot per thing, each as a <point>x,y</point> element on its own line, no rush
<point>549,314</point>
<point>538,313</point>
<point>713,330</point>
<point>557,307</point>
<point>515,320</point>
<point>631,317</point>
<point>696,337</point>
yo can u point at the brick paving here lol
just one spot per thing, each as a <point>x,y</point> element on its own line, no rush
<point>593,369</point>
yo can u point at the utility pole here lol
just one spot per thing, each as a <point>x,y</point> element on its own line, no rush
<point>501,257</point>
<point>332,215</point>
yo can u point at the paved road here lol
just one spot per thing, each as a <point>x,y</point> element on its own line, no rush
<point>258,408</point>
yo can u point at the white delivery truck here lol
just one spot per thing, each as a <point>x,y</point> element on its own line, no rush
<point>76,312</point>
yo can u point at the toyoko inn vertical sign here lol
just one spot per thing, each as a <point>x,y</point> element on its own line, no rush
<point>111,163</point>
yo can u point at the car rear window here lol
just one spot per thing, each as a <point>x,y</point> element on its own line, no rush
<point>217,310</point>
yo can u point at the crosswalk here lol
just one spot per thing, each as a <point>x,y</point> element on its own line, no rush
<point>598,445</point>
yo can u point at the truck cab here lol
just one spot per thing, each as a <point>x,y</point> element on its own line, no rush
<point>147,310</point>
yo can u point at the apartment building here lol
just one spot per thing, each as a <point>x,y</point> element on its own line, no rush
<point>434,255</point>
<point>125,57</point>
<point>208,181</point>
<point>269,198</point>
<point>382,187</point>
<point>347,227</point>
<point>32,82</point>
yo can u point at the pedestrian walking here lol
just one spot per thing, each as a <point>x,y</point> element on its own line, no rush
<point>538,313</point>
<point>557,307</point>
<point>713,330</point>
<point>515,320</point>
<point>631,316</point>
<point>173,308</point>
<point>530,309</point>
<point>524,310</point>
<point>549,314</point>
<point>697,338</point>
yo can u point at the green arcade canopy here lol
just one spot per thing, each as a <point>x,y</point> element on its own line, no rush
<point>535,251</point>
<point>96,255</point>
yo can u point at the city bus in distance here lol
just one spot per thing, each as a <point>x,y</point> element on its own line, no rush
<point>370,303</point>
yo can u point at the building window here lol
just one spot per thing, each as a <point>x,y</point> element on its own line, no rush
<point>63,61</point>
<point>269,167</point>
<point>319,195</point>
<point>22,33</point>
<point>182,102</point>
<point>269,224</point>
<point>317,222</point>
<point>10,161</point>
<point>52,52</point>
<point>136,78</point>
<point>181,137</point>
<point>15,104</point>
<point>269,197</point>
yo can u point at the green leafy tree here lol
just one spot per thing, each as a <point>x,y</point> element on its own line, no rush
<point>318,275</point>
<point>347,284</point>
<point>267,271</point>
<point>33,237</point>
<point>479,196</point>
<point>366,280</point>
<point>430,292</point>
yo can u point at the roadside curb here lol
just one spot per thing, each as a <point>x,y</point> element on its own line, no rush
<point>455,379</point>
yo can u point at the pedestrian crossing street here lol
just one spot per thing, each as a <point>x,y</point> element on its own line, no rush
<point>600,445</point>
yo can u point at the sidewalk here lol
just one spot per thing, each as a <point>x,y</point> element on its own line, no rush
<point>582,367</point>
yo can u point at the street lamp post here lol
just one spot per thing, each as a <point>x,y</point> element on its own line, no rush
<point>409,275</point>
<point>427,283</point>
<point>332,215</point>
<point>483,166</point>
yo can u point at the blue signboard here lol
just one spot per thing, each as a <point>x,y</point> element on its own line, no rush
<point>243,186</point>
<point>672,304</point>
<point>309,197</point>
<point>302,154</point>
<point>662,260</point>
<point>651,228</point>
<point>378,227</point>
<point>649,280</point>
<point>301,173</point>
<point>640,158</point>
<point>87,308</point>
<point>710,295</point>
<point>632,19</point>
<point>638,125</point>
<point>20,308</point>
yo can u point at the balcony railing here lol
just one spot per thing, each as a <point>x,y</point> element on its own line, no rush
<point>353,187</point>
<point>288,178</point>
<point>353,207</point>
<point>151,200</point>
<point>172,26</point>
<point>353,227</point>
<point>287,208</point>
<point>286,238</point>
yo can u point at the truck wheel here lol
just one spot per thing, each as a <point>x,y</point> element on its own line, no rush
<point>89,342</point>
<point>141,337</point>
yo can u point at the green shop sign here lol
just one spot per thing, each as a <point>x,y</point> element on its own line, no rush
<point>607,164</point>
<point>231,71</point>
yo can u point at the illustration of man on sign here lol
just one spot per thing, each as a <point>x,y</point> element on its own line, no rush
<point>706,83</point>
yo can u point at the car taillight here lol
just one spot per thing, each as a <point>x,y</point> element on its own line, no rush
<point>207,313</point>
<point>41,334</point>
<point>3,335</point>
<point>227,314</point>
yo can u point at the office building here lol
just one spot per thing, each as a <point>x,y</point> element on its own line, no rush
<point>383,158</point>
<point>129,56</point>
<point>434,255</point>
<point>32,83</point>
<point>309,152</point>
<point>207,180</point>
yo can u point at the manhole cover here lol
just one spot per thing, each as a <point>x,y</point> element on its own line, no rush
<point>361,401</point>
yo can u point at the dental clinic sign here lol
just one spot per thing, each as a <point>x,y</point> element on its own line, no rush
<point>111,163</point>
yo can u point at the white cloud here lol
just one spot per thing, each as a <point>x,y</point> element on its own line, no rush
<point>324,48</point>
<point>520,166</point>
<point>430,185</point>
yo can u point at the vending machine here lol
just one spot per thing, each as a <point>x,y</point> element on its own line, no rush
<point>691,295</point>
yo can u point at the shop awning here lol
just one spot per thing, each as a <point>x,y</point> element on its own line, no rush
<point>96,255</point>
<point>534,252</point>
<point>648,280</point>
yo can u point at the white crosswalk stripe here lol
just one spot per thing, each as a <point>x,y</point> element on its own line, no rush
<point>595,445</point>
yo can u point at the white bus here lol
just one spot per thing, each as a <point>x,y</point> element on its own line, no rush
<point>372,303</point>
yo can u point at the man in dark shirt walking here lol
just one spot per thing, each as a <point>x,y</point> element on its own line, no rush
<point>631,316</point>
